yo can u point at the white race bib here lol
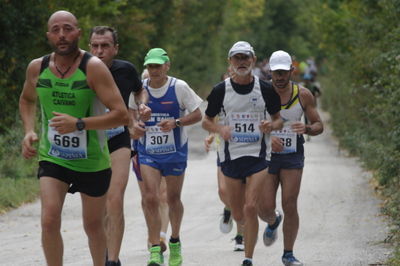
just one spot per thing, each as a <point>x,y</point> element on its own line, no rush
<point>158,142</point>
<point>71,146</point>
<point>288,138</point>
<point>245,127</point>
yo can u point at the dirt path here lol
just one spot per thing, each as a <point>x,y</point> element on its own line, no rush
<point>339,218</point>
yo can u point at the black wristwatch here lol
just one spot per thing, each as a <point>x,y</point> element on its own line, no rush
<point>178,123</point>
<point>80,124</point>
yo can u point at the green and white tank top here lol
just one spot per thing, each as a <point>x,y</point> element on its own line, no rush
<point>83,151</point>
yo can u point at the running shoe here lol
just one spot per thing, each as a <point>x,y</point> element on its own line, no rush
<point>247,263</point>
<point>239,245</point>
<point>270,235</point>
<point>290,260</point>
<point>226,223</point>
<point>175,256</point>
<point>156,258</point>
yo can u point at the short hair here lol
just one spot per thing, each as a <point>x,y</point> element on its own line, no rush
<point>101,30</point>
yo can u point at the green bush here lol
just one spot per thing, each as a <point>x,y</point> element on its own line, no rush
<point>18,182</point>
<point>362,91</point>
<point>16,191</point>
<point>12,164</point>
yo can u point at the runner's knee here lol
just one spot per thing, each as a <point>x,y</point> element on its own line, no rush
<point>93,226</point>
<point>266,209</point>
<point>250,209</point>
<point>51,223</point>
<point>173,199</point>
<point>289,205</point>
<point>115,202</point>
<point>151,200</point>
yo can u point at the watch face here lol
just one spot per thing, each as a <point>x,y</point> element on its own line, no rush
<point>80,125</point>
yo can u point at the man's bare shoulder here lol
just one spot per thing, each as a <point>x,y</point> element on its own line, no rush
<point>33,69</point>
<point>306,96</point>
<point>304,92</point>
<point>35,63</point>
<point>94,62</point>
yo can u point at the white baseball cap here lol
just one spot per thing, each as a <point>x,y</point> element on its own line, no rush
<point>280,60</point>
<point>241,47</point>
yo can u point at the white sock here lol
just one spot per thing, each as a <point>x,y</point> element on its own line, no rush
<point>163,235</point>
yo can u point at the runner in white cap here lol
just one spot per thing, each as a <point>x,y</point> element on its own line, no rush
<point>287,160</point>
<point>247,110</point>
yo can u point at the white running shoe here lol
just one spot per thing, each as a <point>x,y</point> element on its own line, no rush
<point>226,223</point>
<point>239,244</point>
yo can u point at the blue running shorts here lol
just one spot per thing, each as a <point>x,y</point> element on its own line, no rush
<point>166,169</point>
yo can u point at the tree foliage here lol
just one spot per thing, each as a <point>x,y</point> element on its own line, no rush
<point>364,54</point>
<point>361,40</point>
<point>196,34</point>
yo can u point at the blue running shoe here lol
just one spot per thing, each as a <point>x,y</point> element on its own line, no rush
<point>270,235</point>
<point>290,260</point>
<point>247,263</point>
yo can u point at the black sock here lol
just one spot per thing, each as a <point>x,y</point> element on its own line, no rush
<point>227,215</point>
<point>155,245</point>
<point>287,252</point>
<point>174,240</point>
<point>274,225</point>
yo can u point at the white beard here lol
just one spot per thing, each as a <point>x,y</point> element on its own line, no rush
<point>242,73</point>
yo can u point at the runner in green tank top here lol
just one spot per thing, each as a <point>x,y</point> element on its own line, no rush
<point>73,89</point>
<point>81,150</point>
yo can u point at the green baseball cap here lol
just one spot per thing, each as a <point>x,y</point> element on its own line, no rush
<point>156,56</point>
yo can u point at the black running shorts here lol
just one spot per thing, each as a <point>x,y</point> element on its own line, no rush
<point>243,167</point>
<point>119,141</point>
<point>93,184</point>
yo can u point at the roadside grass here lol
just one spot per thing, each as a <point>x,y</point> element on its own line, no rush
<point>18,182</point>
<point>16,191</point>
<point>391,208</point>
<point>374,154</point>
